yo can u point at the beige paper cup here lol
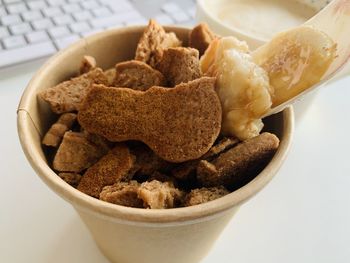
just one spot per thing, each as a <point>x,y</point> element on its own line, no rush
<point>130,234</point>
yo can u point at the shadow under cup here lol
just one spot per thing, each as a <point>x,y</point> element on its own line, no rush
<point>127,234</point>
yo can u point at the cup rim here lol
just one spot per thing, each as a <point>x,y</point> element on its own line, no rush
<point>138,215</point>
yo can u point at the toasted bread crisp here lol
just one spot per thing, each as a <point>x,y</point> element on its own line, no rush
<point>68,95</point>
<point>178,124</point>
<point>55,134</point>
<point>200,38</point>
<point>122,193</point>
<point>158,195</point>
<point>180,65</point>
<point>110,75</point>
<point>203,195</point>
<point>152,43</point>
<point>115,166</point>
<point>71,178</point>
<point>88,63</point>
<point>76,153</point>
<point>187,170</point>
<point>240,164</point>
<point>137,75</point>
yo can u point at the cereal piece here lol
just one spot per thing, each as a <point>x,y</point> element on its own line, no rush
<point>178,124</point>
<point>203,195</point>
<point>187,170</point>
<point>239,164</point>
<point>179,65</point>
<point>137,75</point>
<point>88,63</point>
<point>115,166</point>
<point>110,75</point>
<point>153,41</point>
<point>76,153</point>
<point>200,38</point>
<point>71,178</point>
<point>68,95</point>
<point>158,195</point>
<point>122,193</point>
<point>55,134</point>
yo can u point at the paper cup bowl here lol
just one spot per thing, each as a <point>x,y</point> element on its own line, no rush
<point>127,234</point>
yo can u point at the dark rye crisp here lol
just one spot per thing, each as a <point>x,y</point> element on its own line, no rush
<point>137,75</point>
<point>203,195</point>
<point>180,65</point>
<point>178,124</point>
<point>239,164</point>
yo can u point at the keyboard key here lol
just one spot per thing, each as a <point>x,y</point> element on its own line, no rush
<point>75,1</point>
<point>52,11</point>
<point>56,2</point>
<point>3,32</point>
<point>71,8</point>
<point>2,11</point>
<point>164,19</point>
<point>14,41</point>
<point>103,11</point>
<point>10,1</point>
<point>82,16</point>
<point>117,19</point>
<point>42,24</point>
<point>38,36</point>
<point>20,29</point>
<point>37,5</point>
<point>16,8</point>
<point>180,17</point>
<point>92,32</point>
<point>26,53</point>
<point>90,4</point>
<point>58,32</point>
<point>120,6</point>
<point>64,42</point>
<point>170,8</point>
<point>10,20</point>
<point>138,21</point>
<point>63,20</point>
<point>79,27</point>
<point>31,15</point>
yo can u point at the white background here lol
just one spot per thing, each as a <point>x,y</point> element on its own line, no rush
<point>303,215</point>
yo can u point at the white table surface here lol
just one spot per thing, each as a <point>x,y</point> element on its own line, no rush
<point>303,215</point>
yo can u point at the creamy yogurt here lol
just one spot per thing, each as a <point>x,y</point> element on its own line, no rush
<point>260,18</point>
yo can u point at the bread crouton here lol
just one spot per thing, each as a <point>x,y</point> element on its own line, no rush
<point>137,75</point>
<point>87,64</point>
<point>180,65</point>
<point>152,42</point>
<point>115,166</point>
<point>68,95</point>
<point>76,153</point>
<point>54,135</point>
<point>200,38</point>
<point>122,193</point>
<point>203,195</point>
<point>240,164</point>
<point>158,195</point>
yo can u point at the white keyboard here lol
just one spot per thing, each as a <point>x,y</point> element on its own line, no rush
<point>31,29</point>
